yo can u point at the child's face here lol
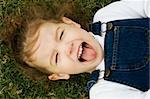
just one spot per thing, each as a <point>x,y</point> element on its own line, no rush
<point>58,48</point>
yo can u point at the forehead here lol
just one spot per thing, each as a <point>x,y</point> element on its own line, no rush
<point>44,44</point>
<point>48,26</point>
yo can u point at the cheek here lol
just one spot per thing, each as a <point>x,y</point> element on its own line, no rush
<point>77,33</point>
<point>65,61</point>
<point>67,64</point>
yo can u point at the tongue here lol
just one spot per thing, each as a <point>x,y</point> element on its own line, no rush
<point>88,53</point>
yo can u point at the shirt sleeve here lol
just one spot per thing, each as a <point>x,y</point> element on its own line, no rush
<point>125,9</point>
<point>111,90</point>
<point>147,94</point>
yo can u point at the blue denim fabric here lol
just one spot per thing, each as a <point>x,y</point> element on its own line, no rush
<point>127,53</point>
<point>96,28</point>
<point>93,80</point>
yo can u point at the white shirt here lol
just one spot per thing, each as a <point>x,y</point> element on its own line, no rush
<point>125,9</point>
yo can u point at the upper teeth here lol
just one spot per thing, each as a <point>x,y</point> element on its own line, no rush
<point>80,51</point>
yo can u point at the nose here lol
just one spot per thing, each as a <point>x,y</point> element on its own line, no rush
<point>65,47</point>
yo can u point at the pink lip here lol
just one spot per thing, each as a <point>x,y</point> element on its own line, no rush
<point>73,49</point>
<point>76,51</point>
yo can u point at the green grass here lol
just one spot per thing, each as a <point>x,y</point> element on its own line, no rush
<point>13,83</point>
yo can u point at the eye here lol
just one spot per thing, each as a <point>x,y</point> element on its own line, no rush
<point>61,35</point>
<point>56,59</point>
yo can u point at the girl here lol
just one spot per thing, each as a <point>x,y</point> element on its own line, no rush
<point>60,48</point>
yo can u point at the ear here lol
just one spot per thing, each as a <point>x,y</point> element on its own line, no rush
<point>58,76</point>
<point>71,22</point>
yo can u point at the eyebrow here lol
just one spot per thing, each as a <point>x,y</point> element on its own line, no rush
<point>53,52</point>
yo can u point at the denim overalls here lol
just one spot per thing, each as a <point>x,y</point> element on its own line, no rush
<point>127,52</point>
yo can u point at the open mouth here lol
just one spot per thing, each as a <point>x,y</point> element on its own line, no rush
<point>86,52</point>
